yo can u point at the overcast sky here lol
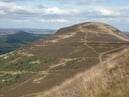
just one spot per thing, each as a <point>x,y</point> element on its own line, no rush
<point>55,14</point>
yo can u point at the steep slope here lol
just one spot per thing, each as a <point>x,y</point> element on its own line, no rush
<point>110,79</point>
<point>46,63</point>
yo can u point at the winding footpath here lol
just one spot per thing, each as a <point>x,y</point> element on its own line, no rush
<point>100,55</point>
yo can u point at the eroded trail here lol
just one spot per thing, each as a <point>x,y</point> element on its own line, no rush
<point>16,72</point>
<point>86,43</point>
<point>109,51</point>
<point>100,55</point>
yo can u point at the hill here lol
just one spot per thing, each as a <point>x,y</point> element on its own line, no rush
<point>13,41</point>
<point>8,31</point>
<point>73,56</point>
<point>109,79</point>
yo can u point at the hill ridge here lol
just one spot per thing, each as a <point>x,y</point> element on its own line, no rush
<point>93,27</point>
<point>47,63</point>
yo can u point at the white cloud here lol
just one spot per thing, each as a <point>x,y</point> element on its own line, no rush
<point>2,12</point>
<point>54,20</point>
<point>80,2</point>
<point>22,21</point>
<point>86,1</point>
<point>31,14</point>
<point>16,11</point>
<point>104,11</point>
<point>13,7</point>
<point>16,0</point>
<point>54,10</point>
<point>124,8</point>
<point>5,4</point>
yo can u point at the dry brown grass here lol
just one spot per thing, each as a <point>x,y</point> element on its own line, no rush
<point>56,56</point>
<point>110,79</point>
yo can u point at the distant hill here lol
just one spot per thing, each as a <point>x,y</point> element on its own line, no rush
<point>13,41</point>
<point>84,60</point>
<point>6,31</point>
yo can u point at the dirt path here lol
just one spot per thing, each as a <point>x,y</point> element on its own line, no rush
<point>15,72</point>
<point>86,43</point>
<point>100,55</point>
<point>106,52</point>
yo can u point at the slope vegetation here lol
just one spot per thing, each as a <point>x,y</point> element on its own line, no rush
<point>72,56</point>
<point>109,79</point>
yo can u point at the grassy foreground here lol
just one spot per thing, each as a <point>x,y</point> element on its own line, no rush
<point>110,79</point>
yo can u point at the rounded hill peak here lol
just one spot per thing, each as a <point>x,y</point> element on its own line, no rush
<point>89,27</point>
<point>94,28</point>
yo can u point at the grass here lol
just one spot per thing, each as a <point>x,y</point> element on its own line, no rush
<point>110,79</point>
<point>103,80</point>
<point>8,79</point>
<point>14,67</point>
<point>15,63</point>
<point>26,63</point>
<point>89,84</point>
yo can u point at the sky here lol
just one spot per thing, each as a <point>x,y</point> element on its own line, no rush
<point>55,14</point>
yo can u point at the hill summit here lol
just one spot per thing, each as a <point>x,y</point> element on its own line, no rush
<point>47,63</point>
<point>93,28</point>
<point>90,26</point>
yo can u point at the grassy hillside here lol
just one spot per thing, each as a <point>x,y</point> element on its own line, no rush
<point>110,79</point>
<point>80,57</point>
